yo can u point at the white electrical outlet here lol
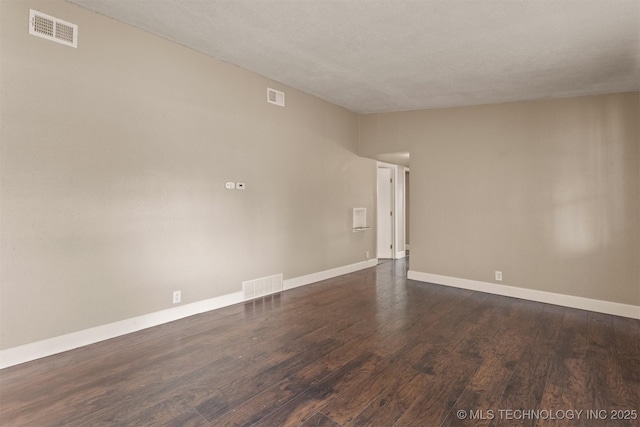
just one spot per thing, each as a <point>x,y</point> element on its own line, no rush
<point>177,296</point>
<point>366,254</point>
<point>499,275</point>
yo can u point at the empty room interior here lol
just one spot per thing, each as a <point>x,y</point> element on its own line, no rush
<point>319,213</point>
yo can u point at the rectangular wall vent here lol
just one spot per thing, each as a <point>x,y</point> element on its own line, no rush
<point>53,29</point>
<point>263,286</point>
<point>275,97</point>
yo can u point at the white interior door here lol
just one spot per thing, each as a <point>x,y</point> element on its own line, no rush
<point>385,213</point>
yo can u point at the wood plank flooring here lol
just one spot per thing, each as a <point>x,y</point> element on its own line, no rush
<point>369,348</point>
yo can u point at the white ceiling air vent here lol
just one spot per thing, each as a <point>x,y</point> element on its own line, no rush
<point>275,97</point>
<point>53,29</point>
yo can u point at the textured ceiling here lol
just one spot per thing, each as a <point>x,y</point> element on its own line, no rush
<point>393,55</point>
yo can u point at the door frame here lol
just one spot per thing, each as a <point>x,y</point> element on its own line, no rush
<point>391,223</point>
<point>397,207</point>
<point>407,212</point>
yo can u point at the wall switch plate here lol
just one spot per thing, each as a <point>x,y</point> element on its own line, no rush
<point>240,186</point>
<point>229,185</point>
<point>499,275</point>
<point>177,297</point>
<point>366,254</point>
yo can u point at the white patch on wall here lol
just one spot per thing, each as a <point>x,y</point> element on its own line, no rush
<point>263,286</point>
<point>51,28</point>
<point>275,97</point>
<point>360,218</point>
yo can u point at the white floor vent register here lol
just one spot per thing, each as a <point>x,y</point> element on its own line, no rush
<point>263,286</point>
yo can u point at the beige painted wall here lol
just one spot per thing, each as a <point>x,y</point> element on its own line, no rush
<point>113,160</point>
<point>547,191</point>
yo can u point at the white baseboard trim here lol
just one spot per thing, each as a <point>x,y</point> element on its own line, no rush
<point>327,274</point>
<point>600,306</point>
<point>401,254</point>
<point>36,350</point>
<point>39,349</point>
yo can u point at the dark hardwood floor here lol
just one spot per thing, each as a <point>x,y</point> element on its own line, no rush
<point>368,348</point>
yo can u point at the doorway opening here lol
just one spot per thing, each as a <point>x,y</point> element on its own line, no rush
<point>391,211</point>
<point>385,220</point>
